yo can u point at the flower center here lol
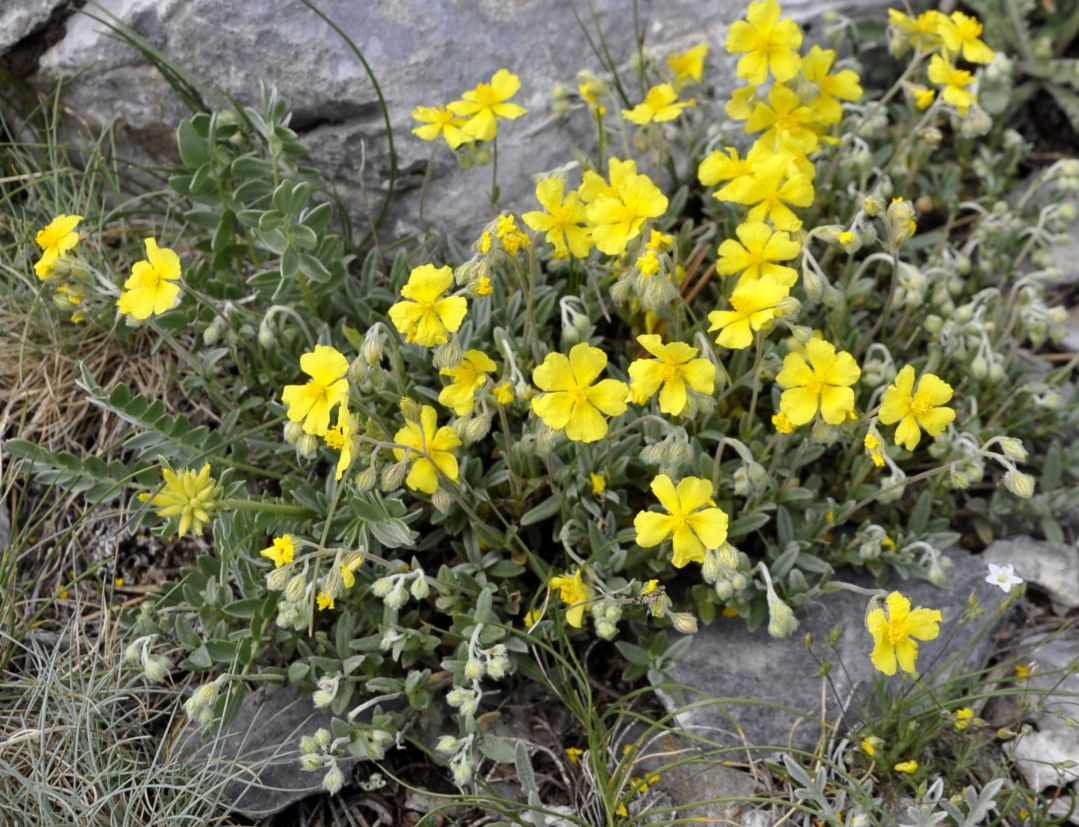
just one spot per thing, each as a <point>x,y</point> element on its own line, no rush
<point>920,406</point>
<point>579,394</point>
<point>896,633</point>
<point>815,386</point>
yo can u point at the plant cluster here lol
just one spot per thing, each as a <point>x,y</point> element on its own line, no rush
<point>677,396</point>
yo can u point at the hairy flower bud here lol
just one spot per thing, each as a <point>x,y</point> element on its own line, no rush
<point>307,446</point>
<point>1020,484</point>
<point>333,780</point>
<point>1013,448</point>
<point>392,476</point>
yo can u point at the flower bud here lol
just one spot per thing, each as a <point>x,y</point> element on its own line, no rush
<point>293,432</point>
<point>473,669</point>
<point>684,622</point>
<point>605,630</point>
<point>333,780</point>
<point>448,355</point>
<point>393,476</point>
<point>307,446</point>
<point>448,745</point>
<point>873,205</point>
<point>1020,484</point>
<point>296,589</point>
<point>277,579</point>
<point>419,588</point>
<point>366,479</point>
<point>357,371</point>
<point>327,690</point>
<point>724,590</point>
<point>461,774</point>
<point>478,427</point>
<point>410,409</point>
<point>442,500</point>
<point>155,667</point>
<point>1013,448</point>
<point>311,762</point>
<point>267,337</point>
<point>371,350</point>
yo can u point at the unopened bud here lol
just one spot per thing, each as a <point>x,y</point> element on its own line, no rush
<point>1013,448</point>
<point>307,445</point>
<point>1020,484</point>
<point>295,589</point>
<point>474,669</point>
<point>366,479</point>
<point>393,476</point>
<point>442,500</point>
<point>684,622</point>
<point>293,432</point>
<point>333,780</point>
<point>411,410</point>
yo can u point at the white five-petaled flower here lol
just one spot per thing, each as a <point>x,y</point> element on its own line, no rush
<point>1003,577</point>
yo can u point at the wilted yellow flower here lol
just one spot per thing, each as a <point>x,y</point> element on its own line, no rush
<point>923,96</point>
<point>843,85</point>
<point>439,121</point>
<point>906,767</point>
<point>870,744</point>
<point>674,368</point>
<point>688,65</point>
<point>427,317</point>
<point>659,105</point>
<point>894,633</point>
<point>325,601</point>
<point>617,212</point>
<point>693,521</point>
<point>599,483</point>
<point>911,409</point>
<point>963,718</point>
<point>575,593</point>
<point>782,423</point>
<point>55,240</point>
<point>768,43</point>
<point>432,451</point>
<point>468,377</point>
<point>820,380</point>
<point>761,247</point>
<point>504,393</point>
<point>874,448</point>
<point>563,219</point>
<point>312,403</point>
<point>488,102</point>
<point>510,235</point>
<point>571,402</point>
<point>151,289</point>
<point>574,755</point>
<point>340,438</point>
<point>348,571</point>
<point>189,496</point>
<point>753,304</point>
<point>281,552</point>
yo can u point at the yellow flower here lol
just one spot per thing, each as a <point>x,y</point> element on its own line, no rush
<point>574,755</point>
<point>575,593</point>
<point>55,240</point>
<point>821,382</point>
<point>874,448</point>
<point>482,286</point>
<point>571,401</point>
<point>427,318</point>
<point>348,571</point>
<point>955,82</point>
<point>785,119</point>
<point>741,103</point>
<point>922,32</point>
<point>923,96</point>
<point>753,305</point>
<point>510,235</point>
<point>488,102</point>
<point>761,247</point>
<point>721,166</point>
<point>963,718</point>
<point>769,194</point>
<point>599,483</point>
<point>504,393</point>
<point>439,121</point>
<point>562,220</point>
<point>312,403</point>
<point>688,65</point>
<point>768,43</point>
<point>843,85</point>
<point>669,373</point>
<point>692,519</point>
<point>1022,671</point>
<point>468,378</point>
<point>894,633</point>
<point>648,264</point>
<point>151,288</point>
<point>618,212</point>
<point>432,451</point>
<point>659,105</point>
<point>912,408</point>
<point>659,241</point>
<point>960,33</point>
<point>281,552</point>
<point>189,496</point>
<point>906,767</point>
<point>870,744</point>
<point>782,423</point>
<point>325,601</point>
<point>340,439</point>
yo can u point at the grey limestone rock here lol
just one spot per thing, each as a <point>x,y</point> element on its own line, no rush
<point>1053,569</point>
<point>779,701</point>
<point>260,749</point>
<point>422,51</point>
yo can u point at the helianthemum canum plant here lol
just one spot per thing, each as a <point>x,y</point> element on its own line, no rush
<point>644,401</point>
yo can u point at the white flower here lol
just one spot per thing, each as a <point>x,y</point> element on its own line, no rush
<point>1003,576</point>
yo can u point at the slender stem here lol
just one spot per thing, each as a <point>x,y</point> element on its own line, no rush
<point>268,507</point>
<point>494,172</point>
<point>426,183</point>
